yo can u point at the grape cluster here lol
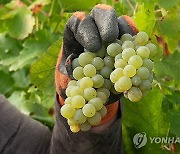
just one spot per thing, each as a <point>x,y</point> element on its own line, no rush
<point>87,94</point>
<point>133,67</point>
<point>123,66</point>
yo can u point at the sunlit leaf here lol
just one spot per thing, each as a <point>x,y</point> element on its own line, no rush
<point>145,19</point>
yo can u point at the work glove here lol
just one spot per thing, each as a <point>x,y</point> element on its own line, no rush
<point>102,26</point>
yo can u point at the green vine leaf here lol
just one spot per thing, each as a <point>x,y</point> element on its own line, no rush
<point>17,19</point>
<point>145,19</point>
<point>168,67</point>
<point>42,71</point>
<point>33,48</point>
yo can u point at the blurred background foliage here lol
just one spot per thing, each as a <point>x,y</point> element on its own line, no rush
<point>31,34</point>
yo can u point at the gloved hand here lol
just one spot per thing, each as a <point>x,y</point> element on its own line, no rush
<point>89,32</point>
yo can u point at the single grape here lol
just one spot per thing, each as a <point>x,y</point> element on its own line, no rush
<point>114,49</point>
<point>89,70</point>
<point>105,91</point>
<point>75,90</point>
<point>136,43</point>
<point>98,63</point>
<point>120,63</point>
<point>89,93</point>
<point>143,52</point>
<point>116,74</point>
<point>85,126</point>
<point>129,70</point>
<point>78,101</point>
<point>124,83</point>
<point>136,80</point>
<point>136,61</point>
<point>107,84</point>
<point>98,81</point>
<point>75,128</point>
<point>150,77</point>
<point>89,110</point>
<point>152,48</point>
<point>142,38</point>
<point>148,64</point>
<point>102,96</point>
<point>119,56</point>
<point>86,82</point>
<point>95,120</point>
<point>134,94</point>
<point>75,63</point>
<point>109,62</point>
<point>126,37</point>
<point>101,52</point>
<point>127,44</point>
<point>68,100</point>
<point>127,53</point>
<point>79,117</point>
<point>103,111</point>
<point>68,91</point>
<point>145,85</point>
<point>85,58</point>
<point>72,83</point>
<point>97,103</point>
<point>67,111</point>
<point>78,73</point>
<point>105,72</point>
<point>71,122</point>
<point>143,73</point>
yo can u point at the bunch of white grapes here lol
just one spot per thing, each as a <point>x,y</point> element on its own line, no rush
<point>133,67</point>
<point>124,66</point>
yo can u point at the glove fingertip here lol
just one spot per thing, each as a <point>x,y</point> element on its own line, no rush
<point>126,25</point>
<point>131,23</point>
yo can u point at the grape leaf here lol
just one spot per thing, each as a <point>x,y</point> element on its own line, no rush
<point>168,3</point>
<point>74,5</point>
<point>168,67</point>
<point>6,82</point>
<point>42,71</point>
<point>9,49</point>
<point>17,19</point>
<point>171,105</point>
<point>145,116</point>
<point>145,19</point>
<point>4,1</point>
<point>21,78</point>
<point>174,119</point>
<point>120,8</point>
<point>33,48</point>
<point>171,20</point>
<point>169,27</point>
<point>21,25</point>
